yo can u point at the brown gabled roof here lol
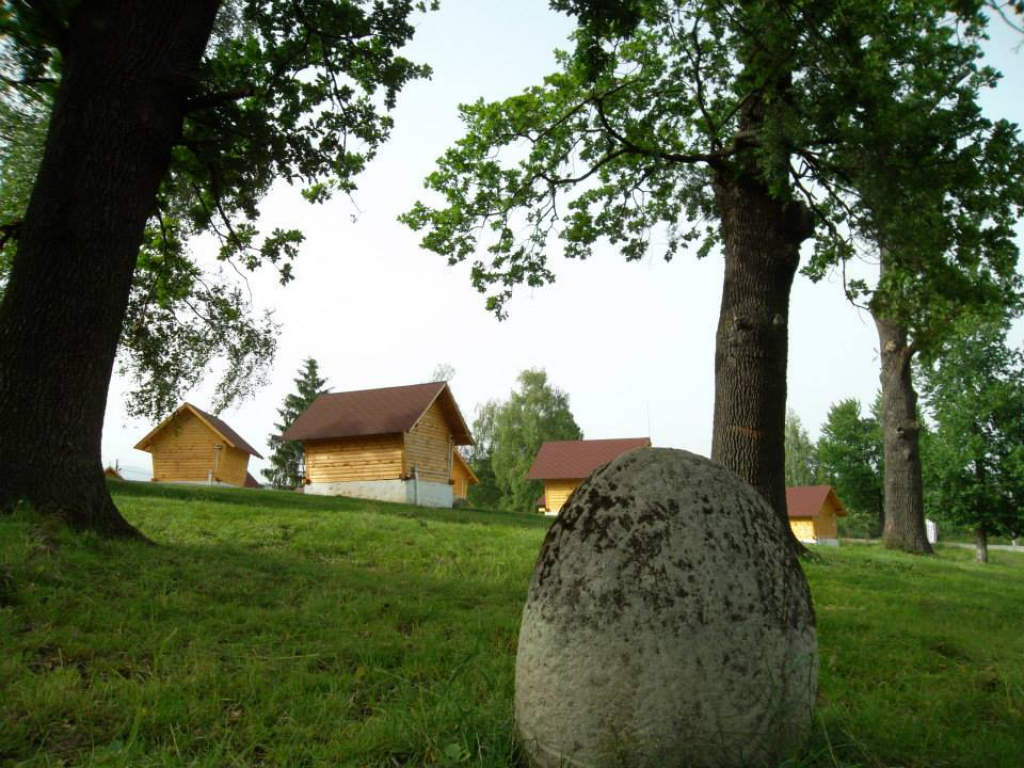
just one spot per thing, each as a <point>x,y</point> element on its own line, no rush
<point>226,433</point>
<point>251,482</point>
<point>807,500</point>
<point>575,459</point>
<point>384,411</point>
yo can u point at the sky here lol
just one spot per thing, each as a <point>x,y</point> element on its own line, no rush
<point>631,343</point>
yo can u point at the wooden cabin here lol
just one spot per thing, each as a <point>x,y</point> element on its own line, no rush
<point>813,511</point>
<point>392,444</point>
<point>192,446</point>
<point>462,476</point>
<point>562,465</point>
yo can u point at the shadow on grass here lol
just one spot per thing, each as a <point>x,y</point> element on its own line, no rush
<point>288,500</point>
<point>109,643</point>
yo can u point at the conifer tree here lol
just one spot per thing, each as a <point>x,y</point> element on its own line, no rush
<point>286,460</point>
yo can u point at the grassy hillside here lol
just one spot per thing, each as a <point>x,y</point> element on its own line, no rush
<point>275,629</point>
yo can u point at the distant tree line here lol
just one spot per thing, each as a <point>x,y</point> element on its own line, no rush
<point>971,440</point>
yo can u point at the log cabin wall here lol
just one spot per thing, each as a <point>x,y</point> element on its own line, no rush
<point>428,447</point>
<point>825,523</point>
<point>557,492</point>
<point>460,480</point>
<point>234,466</point>
<point>349,459</point>
<point>803,528</point>
<point>186,451</point>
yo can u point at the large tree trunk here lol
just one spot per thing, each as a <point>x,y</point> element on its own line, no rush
<point>762,239</point>
<point>127,71</point>
<point>904,494</point>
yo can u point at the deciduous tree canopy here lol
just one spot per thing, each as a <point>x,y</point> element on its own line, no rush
<point>975,391</point>
<point>535,413</point>
<point>801,455</point>
<point>690,124</point>
<point>168,119</point>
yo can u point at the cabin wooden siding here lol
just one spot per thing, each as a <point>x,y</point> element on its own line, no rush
<point>821,526</point>
<point>428,447</point>
<point>460,480</point>
<point>349,459</point>
<point>825,526</point>
<point>557,492</point>
<point>186,452</point>
<point>234,466</point>
<point>803,528</point>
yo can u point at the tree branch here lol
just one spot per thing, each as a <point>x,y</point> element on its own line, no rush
<point>210,100</point>
<point>28,81</point>
<point>713,159</point>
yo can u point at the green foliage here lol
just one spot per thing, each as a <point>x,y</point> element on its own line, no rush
<point>662,98</point>
<point>277,629</point>
<point>180,318</point>
<point>975,392</point>
<point>534,413</point>
<point>801,458</point>
<point>293,91</point>
<point>286,458</point>
<point>850,459</point>
<point>928,182</point>
<point>22,129</point>
<point>485,494</point>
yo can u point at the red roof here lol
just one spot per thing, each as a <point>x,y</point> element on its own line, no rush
<point>807,500</point>
<point>384,411</point>
<point>576,459</point>
<point>251,482</point>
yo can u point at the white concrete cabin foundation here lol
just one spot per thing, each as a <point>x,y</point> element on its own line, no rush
<point>420,493</point>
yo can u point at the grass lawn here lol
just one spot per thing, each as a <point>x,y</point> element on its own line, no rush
<point>275,629</point>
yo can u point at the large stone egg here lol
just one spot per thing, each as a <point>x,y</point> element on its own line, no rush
<point>668,623</point>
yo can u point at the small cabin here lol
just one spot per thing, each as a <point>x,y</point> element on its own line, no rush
<point>563,464</point>
<point>391,444</point>
<point>192,446</point>
<point>462,476</point>
<point>813,512</point>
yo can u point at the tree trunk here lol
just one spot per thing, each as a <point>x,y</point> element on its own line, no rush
<point>981,543</point>
<point>128,68</point>
<point>904,495</point>
<point>762,239</point>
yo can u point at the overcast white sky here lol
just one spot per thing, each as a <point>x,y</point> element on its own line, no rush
<point>632,344</point>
